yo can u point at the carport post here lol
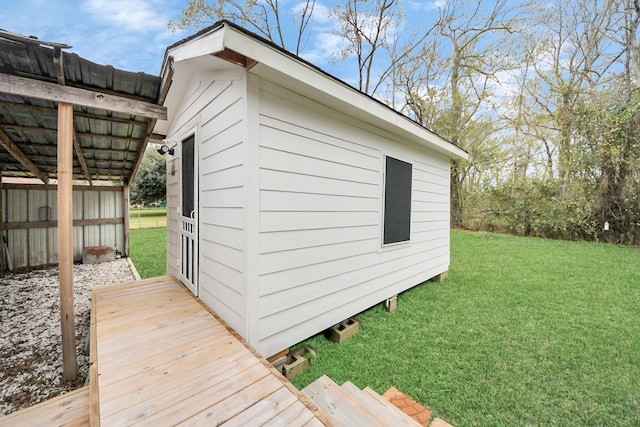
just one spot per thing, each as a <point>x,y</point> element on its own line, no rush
<point>65,239</point>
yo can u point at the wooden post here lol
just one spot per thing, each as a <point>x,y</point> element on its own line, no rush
<point>1,230</point>
<point>125,205</point>
<point>65,239</point>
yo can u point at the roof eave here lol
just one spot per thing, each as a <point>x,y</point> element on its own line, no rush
<point>269,57</point>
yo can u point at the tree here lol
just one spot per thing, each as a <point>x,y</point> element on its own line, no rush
<point>448,87</point>
<point>265,17</point>
<point>572,44</point>
<point>149,185</point>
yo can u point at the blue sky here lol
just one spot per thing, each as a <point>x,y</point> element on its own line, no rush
<point>128,34</point>
<point>132,34</point>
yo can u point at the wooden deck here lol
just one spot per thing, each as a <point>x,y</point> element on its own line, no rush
<point>71,409</point>
<point>160,358</point>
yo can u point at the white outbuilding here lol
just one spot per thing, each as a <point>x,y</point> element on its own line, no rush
<point>294,201</point>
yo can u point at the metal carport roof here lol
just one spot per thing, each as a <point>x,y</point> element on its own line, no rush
<point>108,145</point>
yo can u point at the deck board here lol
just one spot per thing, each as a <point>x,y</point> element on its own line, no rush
<point>162,359</point>
<point>71,409</point>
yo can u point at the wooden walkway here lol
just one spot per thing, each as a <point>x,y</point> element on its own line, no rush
<point>160,358</point>
<point>71,409</point>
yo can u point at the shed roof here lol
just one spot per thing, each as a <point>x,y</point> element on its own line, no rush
<point>108,144</point>
<point>226,42</point>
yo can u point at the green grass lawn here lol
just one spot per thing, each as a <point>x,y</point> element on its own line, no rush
<point>147,218</point>
<point>523,332</point>
<point>148,251</point>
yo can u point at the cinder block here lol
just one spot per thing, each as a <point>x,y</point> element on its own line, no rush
<point>298,361</point>
<point>344,330</point>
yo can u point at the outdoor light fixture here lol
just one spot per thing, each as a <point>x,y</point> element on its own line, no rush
<point>164,149</point>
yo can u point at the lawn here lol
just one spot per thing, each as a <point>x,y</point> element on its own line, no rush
<point>147,218</point>
<point>524,332</point>
<point>148,249</point>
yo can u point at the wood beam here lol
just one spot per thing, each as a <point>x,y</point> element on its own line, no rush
<point>83,163</point>
<point>125,204</point>
<point>13,149</point>
<point>1,227</point>
<point>29,225</point>
<point>232,56</point>
<point>65,239</point>
<point>54,187</point>
<point>92,150</point>
<point>31,88</point>
<point>76,114</point>
<point>82,134</point>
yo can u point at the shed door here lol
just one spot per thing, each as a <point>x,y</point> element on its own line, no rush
<point>189,216</point>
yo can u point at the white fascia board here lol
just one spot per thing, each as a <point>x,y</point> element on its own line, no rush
<point>335,93</point>
<point>206,44</point>
<point>189,58</point>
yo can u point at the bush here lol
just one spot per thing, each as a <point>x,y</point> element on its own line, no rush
<point>536,208</point>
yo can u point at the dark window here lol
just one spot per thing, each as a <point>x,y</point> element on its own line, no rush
<point>397,201</point>
<point>187,176</point>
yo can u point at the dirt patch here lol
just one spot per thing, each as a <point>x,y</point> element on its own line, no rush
<point>30,339</point>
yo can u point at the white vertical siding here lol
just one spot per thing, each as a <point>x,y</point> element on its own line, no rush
<point>321,189</point>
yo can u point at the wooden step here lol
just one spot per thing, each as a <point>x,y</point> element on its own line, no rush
<point>71,409</point>
<point>376,404</point>
<point>381,399</point>
<point>338,405</point>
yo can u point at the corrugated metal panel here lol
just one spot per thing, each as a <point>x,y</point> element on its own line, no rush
<point>91,211</point>
<point>111,143</point>
<point>38,246</point>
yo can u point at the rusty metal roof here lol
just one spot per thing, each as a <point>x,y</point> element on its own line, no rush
<point>111,143</point>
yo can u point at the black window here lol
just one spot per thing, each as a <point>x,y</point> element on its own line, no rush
<point>397,201</point>
<point>187,176</point>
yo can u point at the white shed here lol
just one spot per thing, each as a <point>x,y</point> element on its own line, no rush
<point>294,200</point>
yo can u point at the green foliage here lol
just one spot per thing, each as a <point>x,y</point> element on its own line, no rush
<point>536,208</point>
<point>149,185</point>
<point>524,331</point>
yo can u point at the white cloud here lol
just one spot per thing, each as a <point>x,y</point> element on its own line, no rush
<point>130,15</point>
<point>327,47</point>
<point>321,13</point>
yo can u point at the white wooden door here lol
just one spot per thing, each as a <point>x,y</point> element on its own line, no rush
<point>189,215</point>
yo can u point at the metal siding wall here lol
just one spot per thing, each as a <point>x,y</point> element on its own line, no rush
<point>17,211</point>
<point>78,232</point>
<point>38,236</point>
<point>91,207</point>
<point>52,241</point>
<point>38,246</point>
<point>107,210</point>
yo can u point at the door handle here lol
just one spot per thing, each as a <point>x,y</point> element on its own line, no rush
<point>192,215</point>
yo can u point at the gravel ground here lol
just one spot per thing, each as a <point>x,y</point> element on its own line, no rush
<point>30,339</point>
